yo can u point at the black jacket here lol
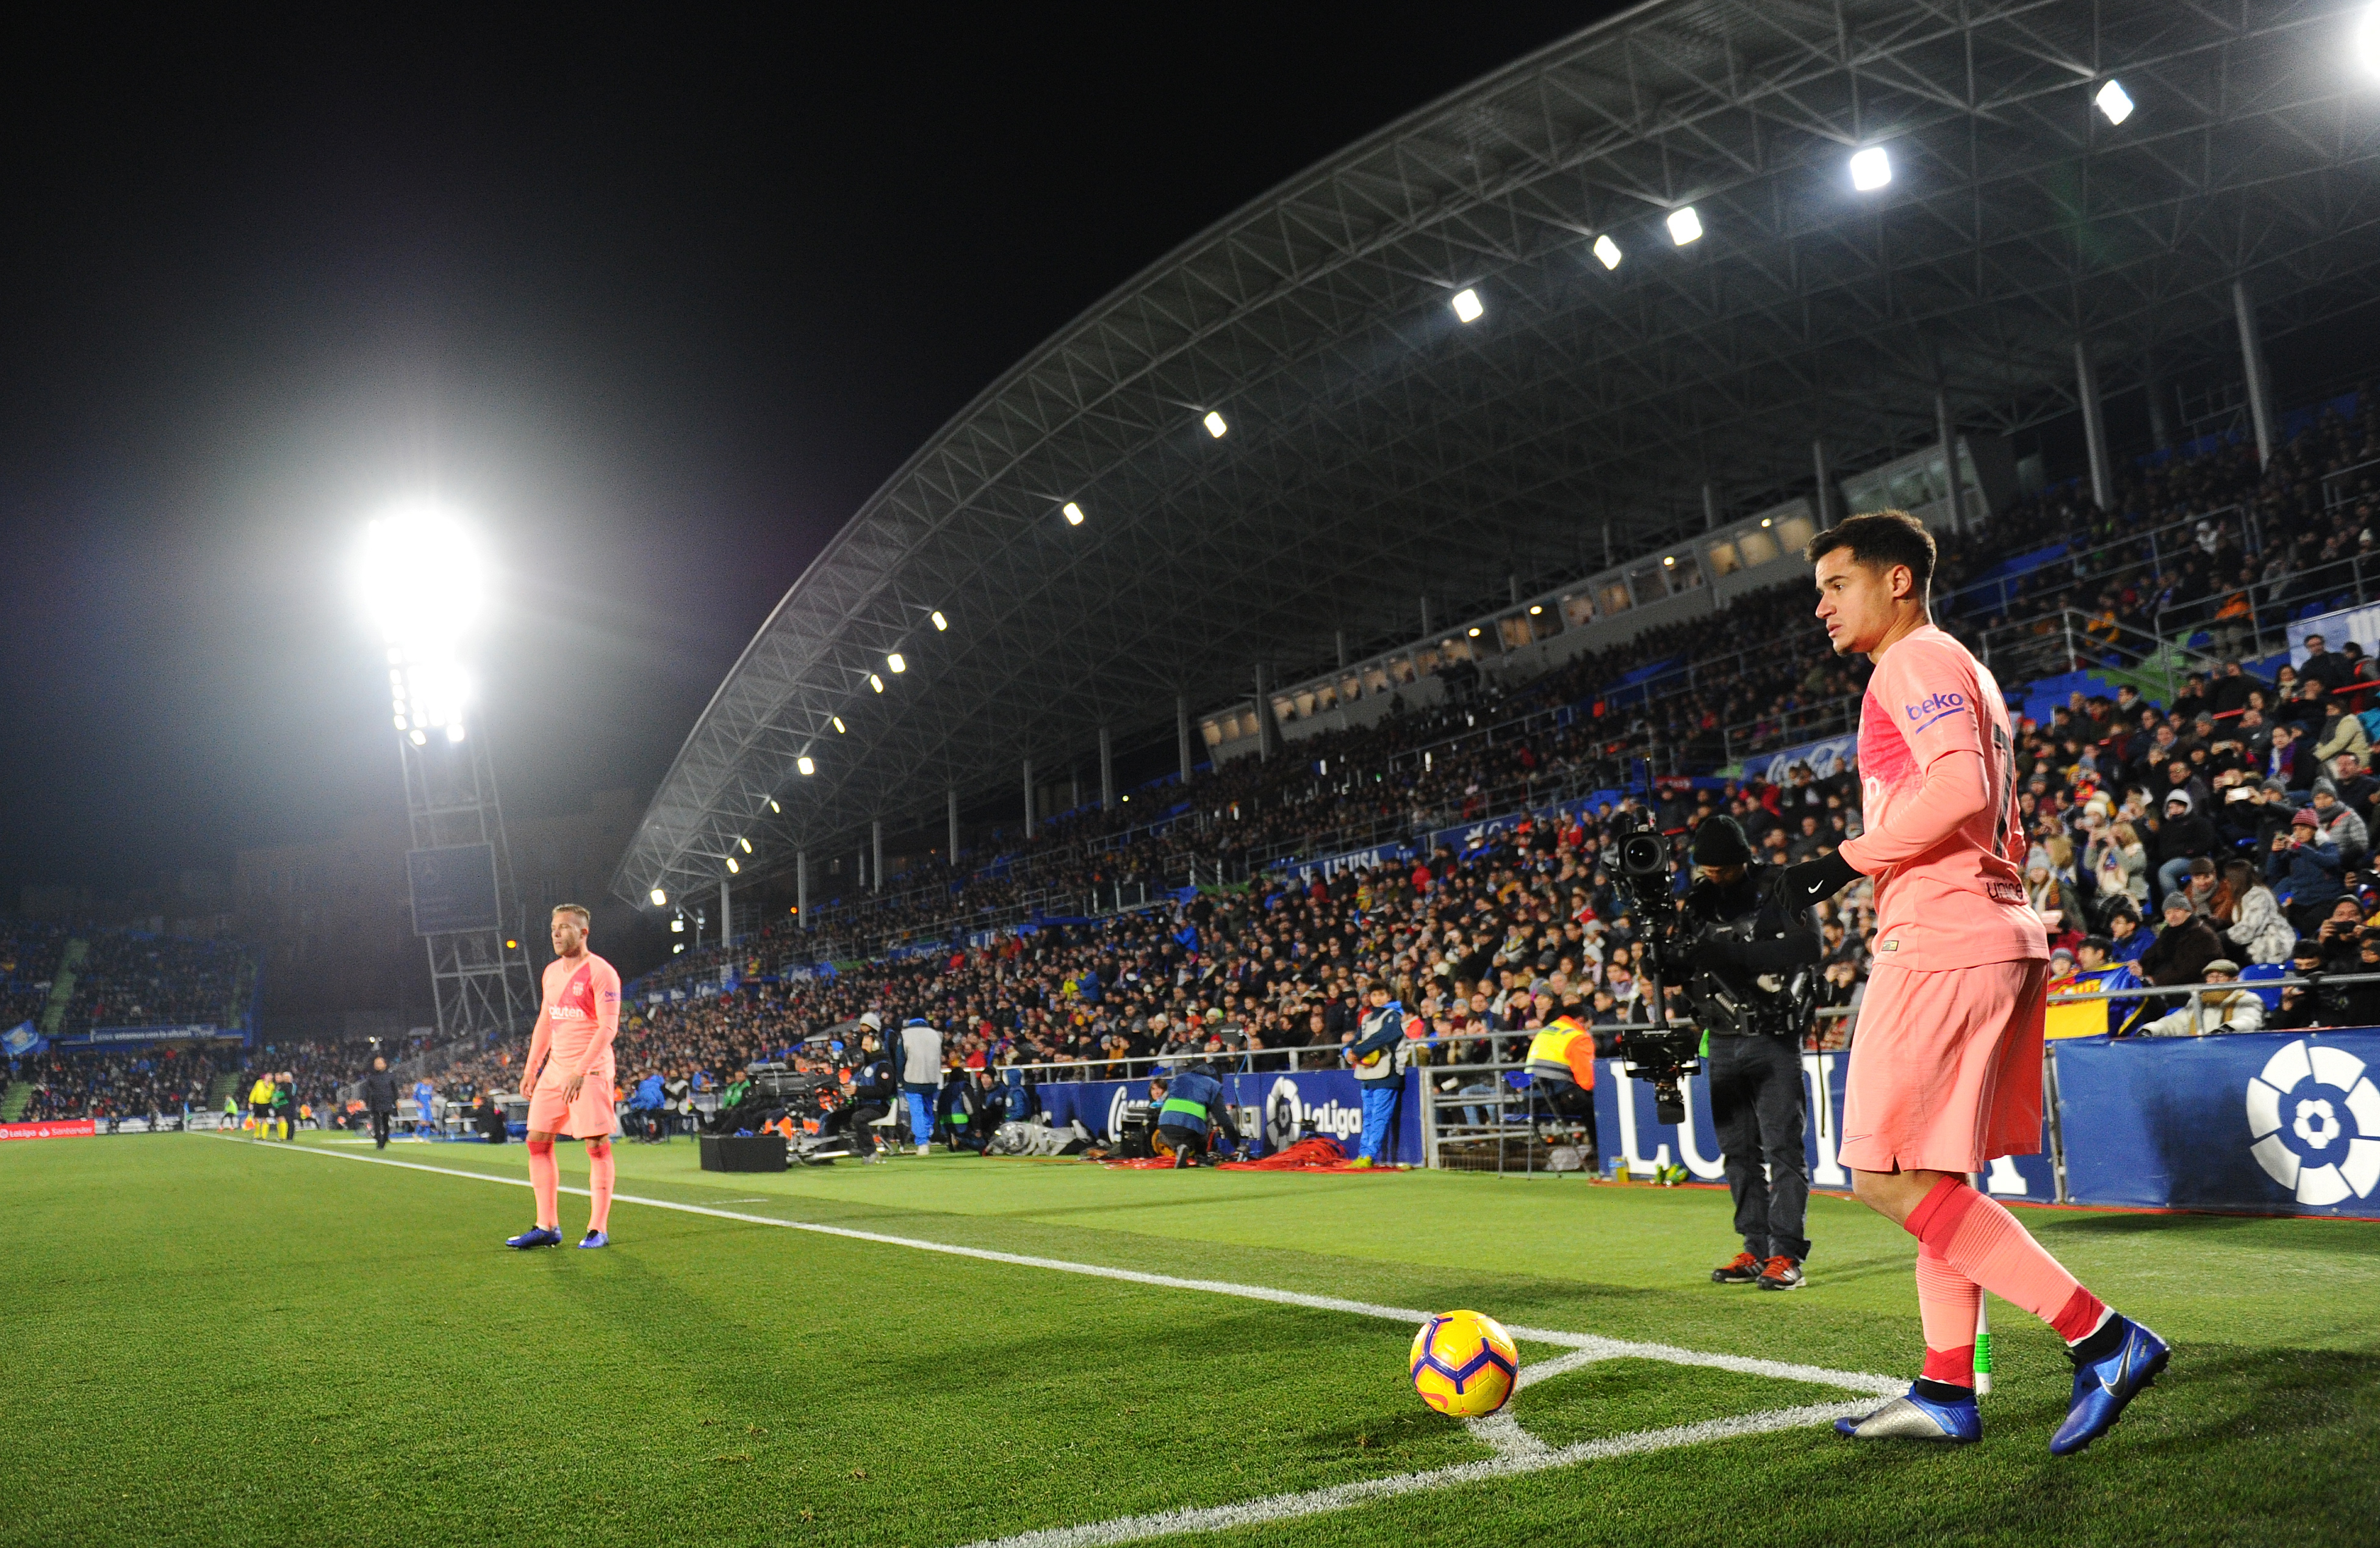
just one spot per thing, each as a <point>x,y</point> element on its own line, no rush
<point>379,1091</point>
<point>1752,939</point>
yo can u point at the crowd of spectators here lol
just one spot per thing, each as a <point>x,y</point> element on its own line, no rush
<point>131,979</point>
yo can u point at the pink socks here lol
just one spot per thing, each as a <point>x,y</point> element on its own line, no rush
<point>546,1178</point>
<point>599,1174</point>
<point>1979,1240</point>
<point>1947,1301</point>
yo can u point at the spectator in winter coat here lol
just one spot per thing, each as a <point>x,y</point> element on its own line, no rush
<point>2182,837</point>
<point>2354,785</point>
<point>2250,918</point>
<point>2308,867</point>
<point>2183,949</point>
<point>2126,940</point>
<point>2224,1009</point>
<point>2341,828</point>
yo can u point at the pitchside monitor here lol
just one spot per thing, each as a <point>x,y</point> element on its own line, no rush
<point>453,888</point>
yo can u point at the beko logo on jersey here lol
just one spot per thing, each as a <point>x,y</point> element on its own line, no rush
<point>1933,707</point>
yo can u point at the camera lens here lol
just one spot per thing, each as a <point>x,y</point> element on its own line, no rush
<point>1644,854</point>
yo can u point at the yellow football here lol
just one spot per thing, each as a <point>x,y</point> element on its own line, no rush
<point>1464,1364</point>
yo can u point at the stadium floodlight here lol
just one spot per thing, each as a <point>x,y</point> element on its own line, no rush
<point>1215,425</point>
<point>876,682</point>
<point>2367,39</point>
<point>836,721</point>
<point>745,845</point>
<point>732,869</point>
<point>1474,631</point>
<point>2115,102</point>
<point>941,623</point>
<point>677,926</point>
<point>1467,306</point>
<point>774,807</point>
<point>1073,512</point>
<point>1685,226</point>
<point>1871,169</point>
<point>1607,250</point>
<point>422,581</point>
<point>661,898</point>
<point>1536,608</point>
<point>894,661</point>
<point>807,764</point>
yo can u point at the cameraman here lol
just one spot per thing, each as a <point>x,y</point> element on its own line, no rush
<point>1755,953</point>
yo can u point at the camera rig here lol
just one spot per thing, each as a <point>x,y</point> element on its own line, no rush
<point>1662,1053</point>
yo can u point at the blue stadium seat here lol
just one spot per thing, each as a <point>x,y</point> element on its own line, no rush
<point>2256,971</point>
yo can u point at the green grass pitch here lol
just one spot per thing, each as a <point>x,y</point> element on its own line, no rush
<point>220,1341</point>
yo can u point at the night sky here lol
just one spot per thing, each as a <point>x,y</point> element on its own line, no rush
<point>656,304</point>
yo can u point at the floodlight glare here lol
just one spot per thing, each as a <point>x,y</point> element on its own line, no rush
<point>419,739</point>
<point>1474,631</point>
<point>806,765</point>
<point>941,623</point>
<point>2115,102</point>
<point>1467,306</point>
<point>1215,425</point>
<point>876,682</point>
<point>677,927</point>
<point>420,577</point>
<point>661,898</point>
<point>1871,169</point>
<point>895,663</point>
<point>2367,39</point>
<point>1607,250</point>
<point>1536,608</point>
<point>1074,513</point>
<point>1685,226</point>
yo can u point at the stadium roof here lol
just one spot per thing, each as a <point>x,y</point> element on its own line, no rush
<point>1378,448</point>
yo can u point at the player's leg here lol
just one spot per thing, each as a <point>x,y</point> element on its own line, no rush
<point>601,1174</point>
<point>546,1112</point>
<point>1739,1145</point>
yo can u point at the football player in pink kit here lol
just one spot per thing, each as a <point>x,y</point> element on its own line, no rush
<point>568,1079</point>
<point>1946,1064</point>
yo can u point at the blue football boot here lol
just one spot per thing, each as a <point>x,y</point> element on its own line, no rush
<point>2103,1386</point>
<point>535,1237</point>
<point>1911,1418</point>
<point>595,1239</point>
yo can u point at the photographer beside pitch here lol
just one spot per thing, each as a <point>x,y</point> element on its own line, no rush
<point>1946,1066</point>
<point>1751,979</point>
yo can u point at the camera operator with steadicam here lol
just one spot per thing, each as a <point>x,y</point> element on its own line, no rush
<point>1751,978</point>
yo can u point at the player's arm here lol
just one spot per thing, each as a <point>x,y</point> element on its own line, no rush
<point>541,1042</point>
<point>1955,784</point>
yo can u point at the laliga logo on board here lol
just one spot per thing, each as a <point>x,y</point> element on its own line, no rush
<point>2300,1141</point>
<point>1286,1112</point>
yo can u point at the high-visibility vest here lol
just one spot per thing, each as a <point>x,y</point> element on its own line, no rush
<point>1564,1051</point>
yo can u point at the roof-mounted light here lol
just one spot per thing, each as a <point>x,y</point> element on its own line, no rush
<point>806,764</point>
<point>1072,513</point>
<point>1685,226</point>
<point>1467,306</point>
<point>1607,250</point>
<point>661,898</point>
<point>2115,102</point>
<point>941,623</point>
<point>1871,169</point>
<point>1215,425</point>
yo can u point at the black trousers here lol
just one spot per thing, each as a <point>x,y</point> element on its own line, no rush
<point>1756,1102</point>
<point>380,1118</point>
<point>1558,1098</point>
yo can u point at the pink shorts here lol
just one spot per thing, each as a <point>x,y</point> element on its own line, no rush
<point>590,1118</point>
<point>1946,1068</point>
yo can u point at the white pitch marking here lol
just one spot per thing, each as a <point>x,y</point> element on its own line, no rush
<point>1340,1496</point>
<point>1593,1344</point>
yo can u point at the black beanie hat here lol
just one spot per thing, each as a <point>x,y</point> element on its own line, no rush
<point>1720,841</point>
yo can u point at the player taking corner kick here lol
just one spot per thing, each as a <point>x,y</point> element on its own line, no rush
<point>568,1078</point>
<point>1946,1066</point>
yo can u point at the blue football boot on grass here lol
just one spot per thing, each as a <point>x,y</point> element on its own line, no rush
<point>535,1237</point>
<point>1913,1418</point>
<point>595,1239</point>
<point>2103,1385</point>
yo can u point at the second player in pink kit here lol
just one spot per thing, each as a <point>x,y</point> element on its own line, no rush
<point>1946,1060</point>
<point>568,1078</point>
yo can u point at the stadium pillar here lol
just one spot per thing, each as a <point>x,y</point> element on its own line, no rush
<point>1029,798</point>
<point>727,918</point>
<point>1107,771</point>
<point>1826,483</point>
<point>802,886</point>
<point>2160,422</point>
<point>1339,638</point>
<point>1947,434</point>
<point>1181,734</point>
<point>1265,732</point>
<point>2259,374</point>
<point>953,801</point>
<point>1425,623</point>
<point>1074,787</point>
<point>1710,506</point>
<point>2094,427</point>
<point>876,861</point>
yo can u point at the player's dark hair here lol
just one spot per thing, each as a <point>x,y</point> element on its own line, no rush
<point>1882,538</point>
<point>579,908</point>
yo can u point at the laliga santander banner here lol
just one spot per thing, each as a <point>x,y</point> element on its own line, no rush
<point>1320,1101</point>
<point>63,1128</point>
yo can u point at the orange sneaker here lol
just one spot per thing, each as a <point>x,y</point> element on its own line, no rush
<point>1742,1269</point>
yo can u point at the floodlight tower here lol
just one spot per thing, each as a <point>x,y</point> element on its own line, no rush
<point>425,586</point>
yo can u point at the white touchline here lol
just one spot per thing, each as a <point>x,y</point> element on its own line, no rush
<point>1517,1451</point>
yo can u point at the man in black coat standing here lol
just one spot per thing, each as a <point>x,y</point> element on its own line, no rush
<point>380,1100</point>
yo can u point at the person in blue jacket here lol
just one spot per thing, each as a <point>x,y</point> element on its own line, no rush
<point>2308,868</point>
<point>1373,1057</point>
<point>1192,1113</point>
<point>644,1103</point>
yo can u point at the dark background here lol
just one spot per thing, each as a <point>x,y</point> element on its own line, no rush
<point>658,302</point>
